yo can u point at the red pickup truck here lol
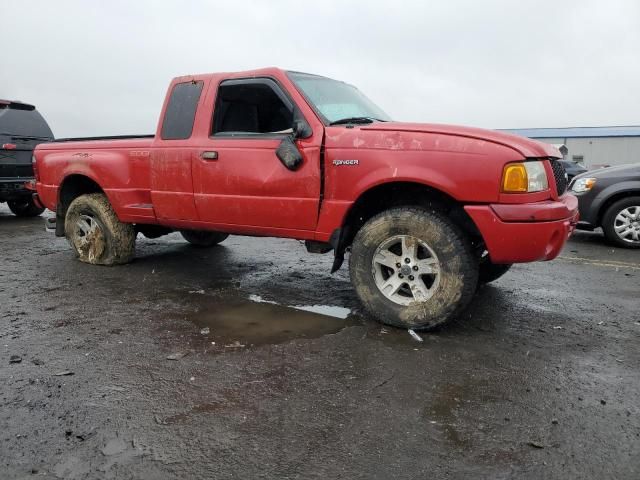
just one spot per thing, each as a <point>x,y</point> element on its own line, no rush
<point>426,211</point>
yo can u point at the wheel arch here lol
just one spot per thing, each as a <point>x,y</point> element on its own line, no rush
<point>613,198</point>
<point>71,187</point>
<point>390,194</point>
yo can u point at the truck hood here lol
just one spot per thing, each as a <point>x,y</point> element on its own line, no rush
<point>526,147</point>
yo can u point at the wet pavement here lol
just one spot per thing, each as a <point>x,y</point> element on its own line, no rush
<point>249,360</point>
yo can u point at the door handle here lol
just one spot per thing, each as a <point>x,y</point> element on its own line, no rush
<point>209,155</point>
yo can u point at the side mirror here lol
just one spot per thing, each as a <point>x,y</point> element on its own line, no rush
<point>301,128</point>
<point>289,154</point>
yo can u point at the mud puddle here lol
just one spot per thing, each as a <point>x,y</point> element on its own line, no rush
<point>239,322</point>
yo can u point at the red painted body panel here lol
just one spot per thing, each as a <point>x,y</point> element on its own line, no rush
<point>115,165</point>
<point>526,147</point>
<point>546,211</point>
<point>248,185</point>
<point>246,190</point>
<point>171,183</point>
<point>525,241</point>
<point>466,169</point>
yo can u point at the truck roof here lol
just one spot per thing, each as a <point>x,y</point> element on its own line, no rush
<point>259,72</point>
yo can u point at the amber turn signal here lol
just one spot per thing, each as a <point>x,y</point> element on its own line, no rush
<point>514,178</point>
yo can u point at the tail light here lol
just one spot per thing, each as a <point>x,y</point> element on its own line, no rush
<point>34,163</point>
<point>9,146</point>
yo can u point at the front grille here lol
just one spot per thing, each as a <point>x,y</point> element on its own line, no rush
<point>560,175</point>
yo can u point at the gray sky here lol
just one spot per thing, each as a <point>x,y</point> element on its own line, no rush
<point>102,67</point>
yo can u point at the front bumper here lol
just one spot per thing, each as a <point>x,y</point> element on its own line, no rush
<point>589,206</point>
<point>528,232</point>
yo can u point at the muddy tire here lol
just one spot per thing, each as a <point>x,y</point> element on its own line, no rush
<point>24,208</point>
<point>621,223</point>
<point>489,271</point>
<point>95,233</point>
<point>203,238</point>
<point>412,268</point>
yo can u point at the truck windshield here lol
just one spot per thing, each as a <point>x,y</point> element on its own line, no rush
<point>23,123</point>
<point>337,102</point>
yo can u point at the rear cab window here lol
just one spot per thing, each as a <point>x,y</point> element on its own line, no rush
<point>181,111</point>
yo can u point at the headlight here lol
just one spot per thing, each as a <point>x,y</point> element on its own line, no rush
<point>523,177</point>
<point>583,185</point>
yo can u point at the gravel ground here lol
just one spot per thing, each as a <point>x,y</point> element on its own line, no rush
<point>192,363</point>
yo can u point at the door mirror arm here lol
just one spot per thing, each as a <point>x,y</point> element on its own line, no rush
<point>288,152</point>
<point>300,127</point>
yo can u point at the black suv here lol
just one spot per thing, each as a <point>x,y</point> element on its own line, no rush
<point>21,129</point>
<point>573,168</point>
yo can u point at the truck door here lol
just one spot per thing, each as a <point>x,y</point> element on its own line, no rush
<point>237,177</point>
<point>170,159</point>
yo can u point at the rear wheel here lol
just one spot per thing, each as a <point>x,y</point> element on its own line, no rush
<point>621,223</point>
<point>24,208</point>
<point>412,268</point>
<point>203,238</point>
<point>95,233</point>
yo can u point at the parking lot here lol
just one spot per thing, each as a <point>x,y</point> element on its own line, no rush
<point>195,363</point>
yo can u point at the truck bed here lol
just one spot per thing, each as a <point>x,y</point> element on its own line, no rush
<point>104,161</point>
<point>81,144</point>
<point>108,137</point>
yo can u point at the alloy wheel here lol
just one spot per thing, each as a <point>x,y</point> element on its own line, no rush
<point>627,224</point>
<point>90,236</point>
<point>406,269</point>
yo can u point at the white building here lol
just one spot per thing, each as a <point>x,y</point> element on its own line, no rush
<point>593,146</point>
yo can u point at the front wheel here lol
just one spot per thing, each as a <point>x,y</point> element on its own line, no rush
<point>621,223</point>
<point>412,268</point>
<point>95,233</point>
<point>203,238</point>
<point>24,208</point>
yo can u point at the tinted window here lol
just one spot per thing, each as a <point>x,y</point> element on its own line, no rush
<point>253,107</point>
<point>181,111</point>
<point>23,122</point>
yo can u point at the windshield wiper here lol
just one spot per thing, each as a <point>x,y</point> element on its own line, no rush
<point>361,120</point>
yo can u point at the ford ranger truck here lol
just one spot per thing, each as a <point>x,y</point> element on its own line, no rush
<point>427,212</point>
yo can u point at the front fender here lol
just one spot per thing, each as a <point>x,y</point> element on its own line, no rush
<point>470,177</point>
<point>422,176</point>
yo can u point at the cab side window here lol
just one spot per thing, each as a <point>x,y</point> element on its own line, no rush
<point>251,107</point>
<point>181,111</point>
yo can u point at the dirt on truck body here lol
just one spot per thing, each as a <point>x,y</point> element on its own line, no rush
<point>428,211</point>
